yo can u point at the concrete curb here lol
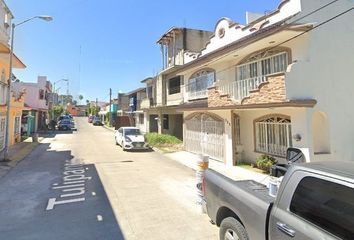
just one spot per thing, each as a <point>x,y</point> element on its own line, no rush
<point>108,128</point>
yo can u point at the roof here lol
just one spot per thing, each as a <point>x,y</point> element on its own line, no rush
<point>344,169</point>
<point>173,30</point>
<point>146,79</point>
<point>203,105</point>
<point>242,42</point>
<point>135,91</point>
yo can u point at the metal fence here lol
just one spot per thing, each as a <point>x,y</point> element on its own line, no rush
<point>205,136</point>
<point>273,138</point>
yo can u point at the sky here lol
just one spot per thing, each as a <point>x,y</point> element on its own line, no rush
<point>102,44</point>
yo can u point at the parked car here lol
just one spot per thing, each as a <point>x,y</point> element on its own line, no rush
<point>90,119</point>
<point>65,117</point>
<point>130,138</point>
<point>66,124</point>
<point>314,201</point>
<point>96,121</point>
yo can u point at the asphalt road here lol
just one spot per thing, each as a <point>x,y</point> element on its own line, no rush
<point>127,195</point>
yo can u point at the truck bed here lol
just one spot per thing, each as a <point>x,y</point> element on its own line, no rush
<point>248,199</point>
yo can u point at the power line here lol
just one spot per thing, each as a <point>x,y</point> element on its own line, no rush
<point>292,38</point>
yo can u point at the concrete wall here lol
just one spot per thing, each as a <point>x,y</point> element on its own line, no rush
<point>233,31</point>
<point>5,20</point>
<point>325,73</point>
<point>32,93</point>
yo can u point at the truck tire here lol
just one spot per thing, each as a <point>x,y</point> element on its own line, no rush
<point>231,229</point>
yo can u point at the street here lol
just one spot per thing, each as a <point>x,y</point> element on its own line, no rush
<point>80,185</point>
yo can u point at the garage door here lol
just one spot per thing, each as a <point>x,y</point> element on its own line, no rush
<point>204,134</point>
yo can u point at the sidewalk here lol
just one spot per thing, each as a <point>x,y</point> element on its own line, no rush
<point>17,152</point>
<point>237,173</point>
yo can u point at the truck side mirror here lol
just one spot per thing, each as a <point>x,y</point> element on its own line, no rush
<point>295,155</point>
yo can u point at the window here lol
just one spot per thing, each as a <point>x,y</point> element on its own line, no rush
<point>326,204</point>
<point>41,94</point>
<point>165,121</point>
<point>199,83</point>
<point>149,92</point>
<point>237,130</point>
<point>174,85</point>
<point>273,135</point>
<point>131,131</point>
<point>141,118</point>
<point>17,125</point>
<point>262,66</point>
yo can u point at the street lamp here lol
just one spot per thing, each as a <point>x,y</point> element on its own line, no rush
<point>54,90</point>
<point>8,95</point>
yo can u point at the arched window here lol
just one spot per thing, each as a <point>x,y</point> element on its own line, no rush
<point>199,83</point>
<point>260,65</point>
<point>273,134</point>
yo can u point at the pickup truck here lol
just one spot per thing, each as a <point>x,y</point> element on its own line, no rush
<point>314,201</point>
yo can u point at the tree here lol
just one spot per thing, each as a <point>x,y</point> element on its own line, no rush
<point>80,98</point>
<point>87,102</point>
<point>57,111</point>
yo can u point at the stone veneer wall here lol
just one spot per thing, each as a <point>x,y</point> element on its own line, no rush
<point>215,99</point>
<point>269,92</point>
<point>272,91</point>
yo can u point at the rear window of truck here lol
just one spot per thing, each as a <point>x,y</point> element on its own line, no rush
<point>326,204</point>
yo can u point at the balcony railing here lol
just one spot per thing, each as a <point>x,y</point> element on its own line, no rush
<point>241,88</point>
<point>147,103</point>
<point>198,87</point>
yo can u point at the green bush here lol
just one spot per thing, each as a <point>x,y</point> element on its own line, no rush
<point>264,162</point>
<point>155,139</point>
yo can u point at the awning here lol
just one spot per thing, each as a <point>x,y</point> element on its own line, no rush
<point>4,54</point>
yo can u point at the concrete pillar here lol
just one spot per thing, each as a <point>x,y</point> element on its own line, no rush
<point>159,122</point>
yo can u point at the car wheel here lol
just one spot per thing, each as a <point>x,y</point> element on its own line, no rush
<point>122,144</point>
<point>231,229</point>
<point>115,139</point>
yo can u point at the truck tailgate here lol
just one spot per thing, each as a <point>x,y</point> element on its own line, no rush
<point>248,199</point>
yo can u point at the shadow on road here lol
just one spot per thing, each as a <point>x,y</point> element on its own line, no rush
<point>50,195</point>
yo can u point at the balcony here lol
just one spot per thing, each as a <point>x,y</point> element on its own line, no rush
<point>147,103</point>
<point>198,87</point>
<point>240,89</point>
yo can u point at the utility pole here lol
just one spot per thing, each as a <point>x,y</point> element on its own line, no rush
<point>110,106</point>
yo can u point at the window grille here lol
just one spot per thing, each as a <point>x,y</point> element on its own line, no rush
<point>273,135</point>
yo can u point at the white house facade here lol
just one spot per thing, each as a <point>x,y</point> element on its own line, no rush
<point>278,81</point>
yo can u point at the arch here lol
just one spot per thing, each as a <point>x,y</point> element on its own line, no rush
<point>320,131</point>
<point>204,116</point>
<point>273,118</point>
<point>265,52</point>
<point>202,72</point>
<point>272,134</point>
<point>204,134</point>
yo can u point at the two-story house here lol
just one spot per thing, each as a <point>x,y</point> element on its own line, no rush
<point>37,100</point>
<point>135,112</point>
<point>166,91</point>
<point>280,80</point>
<point>16,98</point>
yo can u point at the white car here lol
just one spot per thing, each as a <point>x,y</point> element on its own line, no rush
<point>130,138</point>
